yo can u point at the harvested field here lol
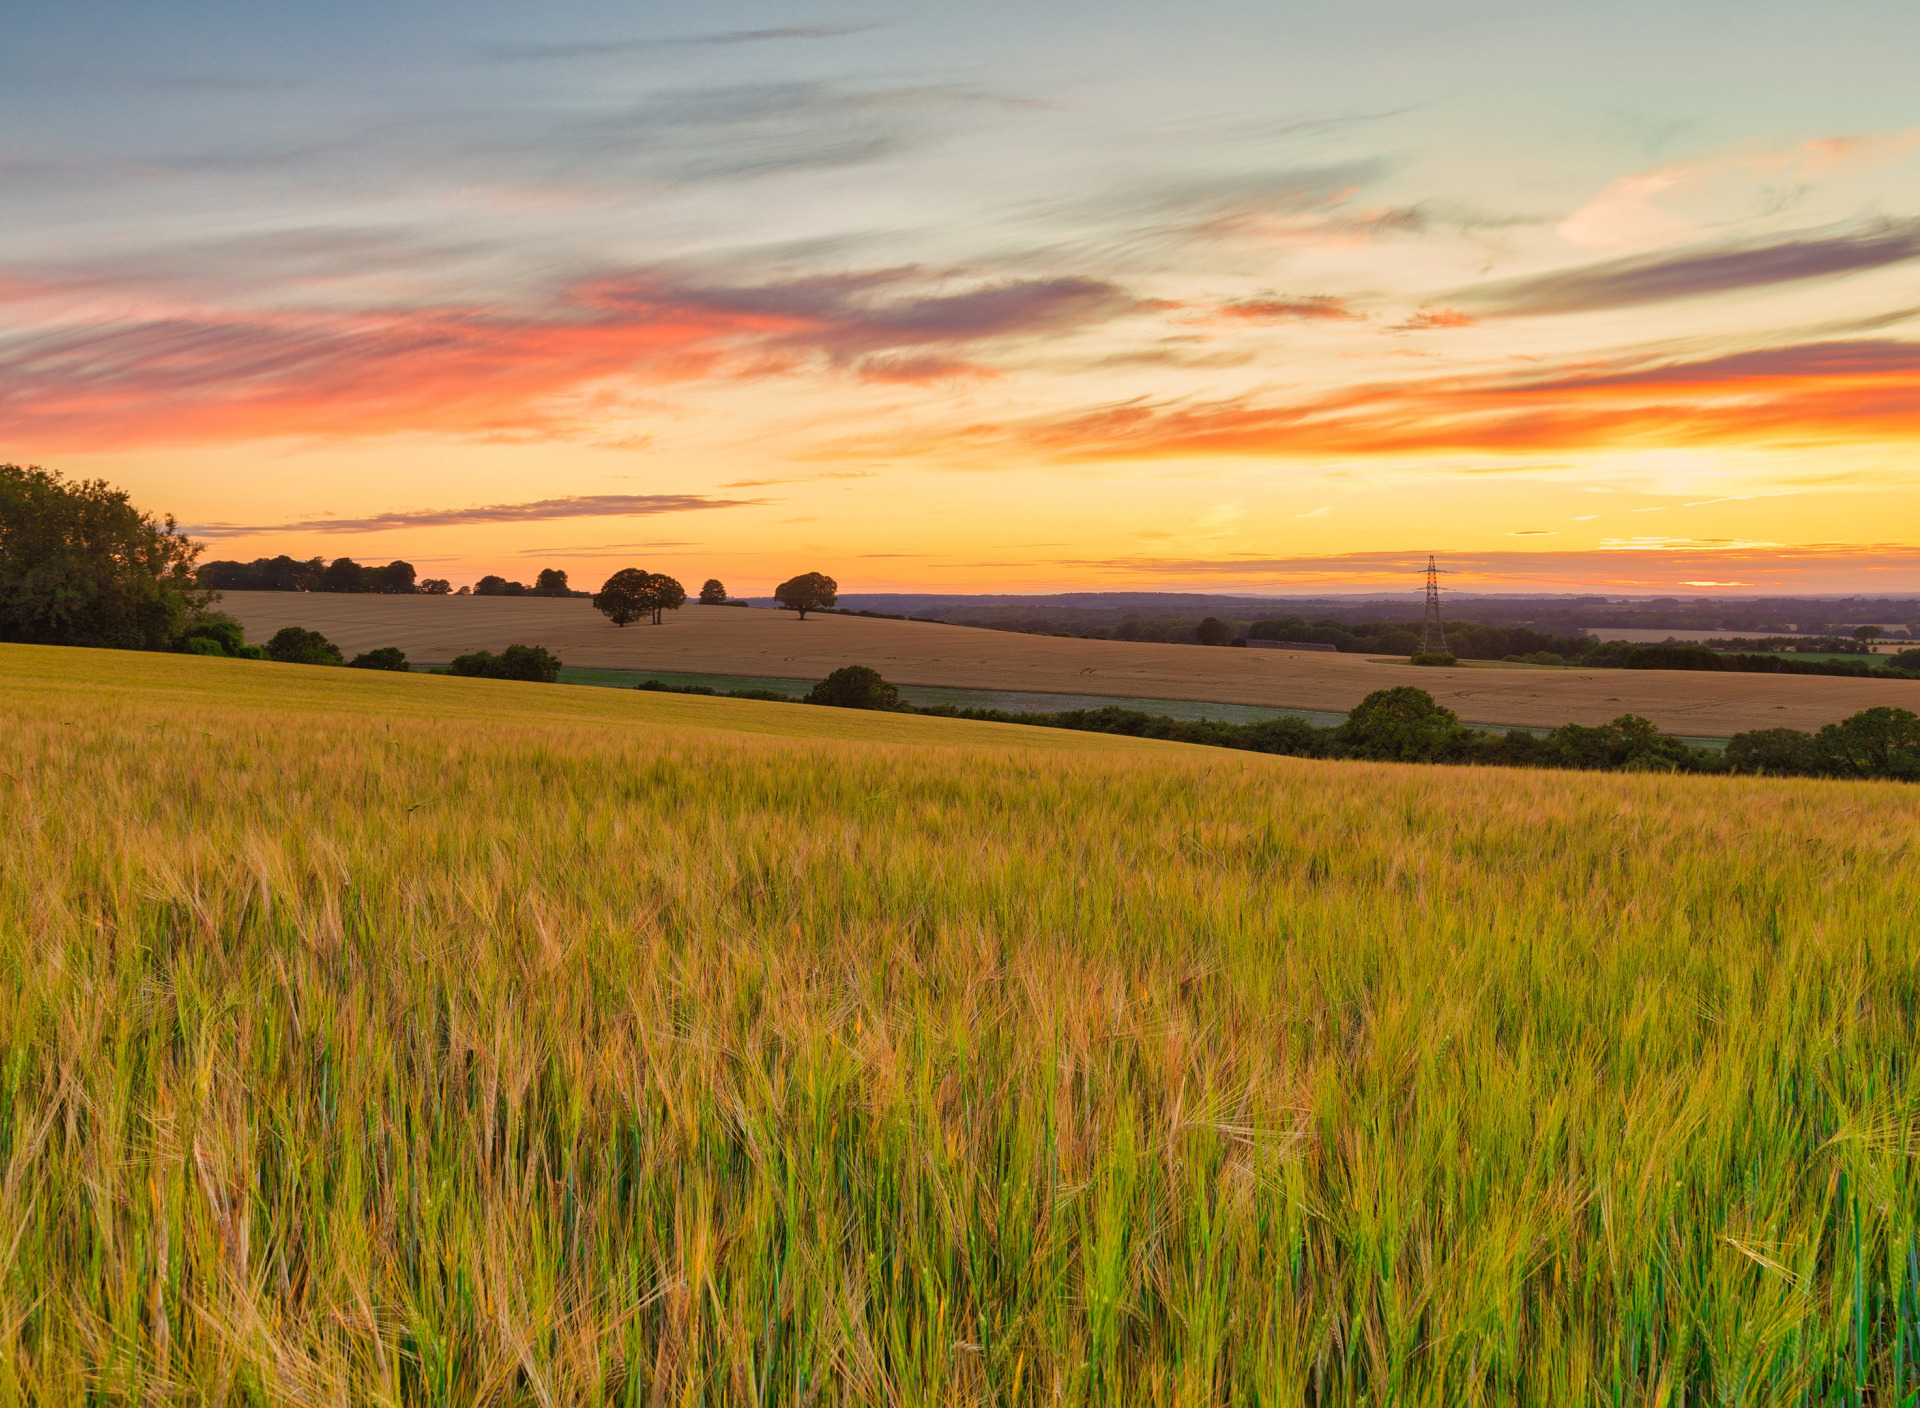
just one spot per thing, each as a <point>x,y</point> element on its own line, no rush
<point>723,640</point>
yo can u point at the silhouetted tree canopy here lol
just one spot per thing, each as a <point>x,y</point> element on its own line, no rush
<point>810,591</point>
<point>713,592</point>
<point>387,657</point>
<point>624,597</point>
<point>551,582</point>
<point>633,592</point>
<point>263,574</point>
<point>1213,631</point>
<point>80,565</point>
<point>665,594</point>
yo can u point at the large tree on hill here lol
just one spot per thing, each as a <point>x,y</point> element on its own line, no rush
<point>665,594</point>
<point>80,565</point>
<point>633,592</point>
<point>624,597</point>
<point>713,592</point>
<point>553,582</point>
<point>810,591</point>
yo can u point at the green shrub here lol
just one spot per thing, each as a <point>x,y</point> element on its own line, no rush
<point>296,645</point>
<point>1402,725</point>
<point>1435,657</point>
<point>533,663</point>
<point>855,687</point>
<point>223,633</point>
<point>387,657</point>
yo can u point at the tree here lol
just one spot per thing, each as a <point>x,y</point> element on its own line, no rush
<point>436,586</point>
<point>387,657</point>
<point>624,597</point>
<point>80,565</point>
<point>1879,742</point>
<point>664,594</point>
<point>263,574</point>
<point>395,579</point>
<point>1778,752</point>
<point>713,593</point>
<point>295,645</point>
<point>553,582</point>
<point>1401,725</point>
<point>1213,631</point>
<point>343,574</point>
<point>810,591</point>
<point>516,662</point>
<point>855,687</point>
<point>1630,743</point>
<point>1869,634</point>
<point>225,635</point>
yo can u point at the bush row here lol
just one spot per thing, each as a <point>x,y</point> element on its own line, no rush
<point>1407,725</point>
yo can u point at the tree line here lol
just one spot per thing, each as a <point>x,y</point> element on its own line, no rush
<point>634,594</point>
<point>1407,725</point>
<point>1474,640</point>
<point>629,595</point>
<point>296,645</point>
<point>343,574</point>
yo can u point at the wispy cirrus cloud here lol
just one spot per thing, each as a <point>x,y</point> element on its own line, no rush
<point>534,511</point>
<point>724,39</point>
<point>1696,272</point>
<point>209,374</point>
<point>1835,392</point>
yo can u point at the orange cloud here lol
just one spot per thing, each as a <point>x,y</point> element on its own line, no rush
<point>1684,563</point>
<point>1841,392</point>
<point>223,376</point>
<point>1312,308</point>
<point>1436,318</point>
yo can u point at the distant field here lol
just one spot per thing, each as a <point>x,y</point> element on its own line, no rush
<point>732,641</point>
<point>1640,636</point>
<point>419,1040</point>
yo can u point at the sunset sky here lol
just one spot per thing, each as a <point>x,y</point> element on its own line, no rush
<point>997,296</point>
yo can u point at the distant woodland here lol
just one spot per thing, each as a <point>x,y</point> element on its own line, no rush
<point>343,574</point>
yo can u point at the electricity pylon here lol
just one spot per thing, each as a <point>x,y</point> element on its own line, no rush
<point>1433,636</point>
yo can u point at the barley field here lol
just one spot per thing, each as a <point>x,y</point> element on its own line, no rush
<point>416,1040</point>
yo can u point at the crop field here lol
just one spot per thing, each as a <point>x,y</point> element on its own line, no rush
<point>393,1039</point>
<point>727,641</point>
